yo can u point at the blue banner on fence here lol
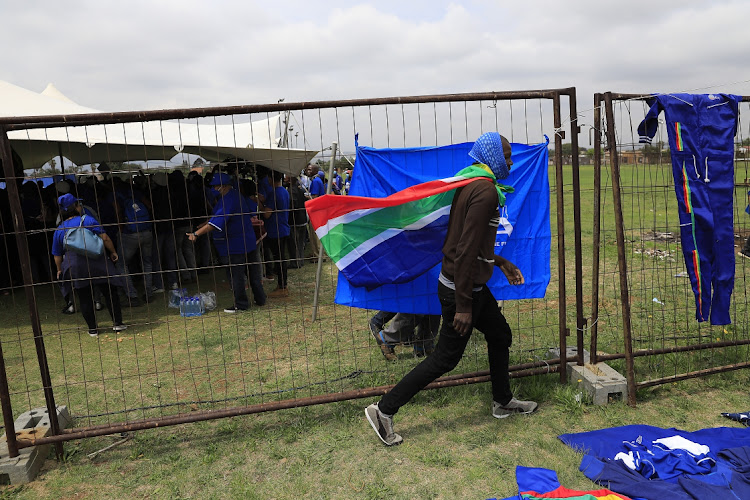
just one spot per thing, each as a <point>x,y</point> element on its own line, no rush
<point>523,236</point>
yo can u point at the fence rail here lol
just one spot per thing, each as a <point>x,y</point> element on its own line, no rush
<point>167,369</point>
<point>653,293</point>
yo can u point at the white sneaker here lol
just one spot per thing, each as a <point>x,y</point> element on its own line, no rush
<point>382,425</point>
<point>120,327</point>
<point>513,407</point>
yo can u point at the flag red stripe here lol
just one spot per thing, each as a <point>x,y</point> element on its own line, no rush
<point>330,206</point>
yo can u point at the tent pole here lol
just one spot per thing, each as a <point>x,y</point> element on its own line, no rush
<point>59,152</point>
<point>334,146</point>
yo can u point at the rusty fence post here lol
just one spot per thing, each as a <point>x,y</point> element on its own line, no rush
<point>594,330</point>
<point>574,130</point>
<point>621,259</point>
<point>25,262</point>
<point>559,188</point>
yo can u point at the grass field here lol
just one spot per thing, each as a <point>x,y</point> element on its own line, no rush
<point>165,364</point>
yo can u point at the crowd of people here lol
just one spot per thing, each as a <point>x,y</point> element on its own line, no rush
<point>153,227</point>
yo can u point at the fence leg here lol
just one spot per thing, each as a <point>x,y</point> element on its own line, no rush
<point>574,131</point>
<point>559,187</point>
<point>621,260</point>
<point>334,146</point>
<point>597,227</point>
<point>23,255</point>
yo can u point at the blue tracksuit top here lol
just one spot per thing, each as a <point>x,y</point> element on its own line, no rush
<point>701,130</point>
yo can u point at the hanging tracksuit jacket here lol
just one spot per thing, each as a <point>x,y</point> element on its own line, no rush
<point>701,131</point>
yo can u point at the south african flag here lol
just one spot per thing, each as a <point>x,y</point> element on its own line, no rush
<point>392,240</point>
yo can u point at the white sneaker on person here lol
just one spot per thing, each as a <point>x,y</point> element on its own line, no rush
<point>382,425</point>
<point>513,407</point>
<point>120,327</point>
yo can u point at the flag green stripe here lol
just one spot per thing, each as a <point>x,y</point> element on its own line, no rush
<point>344,238</point>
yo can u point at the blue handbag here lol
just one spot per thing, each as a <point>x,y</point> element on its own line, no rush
<point>83,241</point>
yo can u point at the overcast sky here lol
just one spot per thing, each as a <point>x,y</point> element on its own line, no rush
<point>137,55</point>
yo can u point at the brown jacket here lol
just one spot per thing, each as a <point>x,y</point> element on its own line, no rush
<point>469,248</point>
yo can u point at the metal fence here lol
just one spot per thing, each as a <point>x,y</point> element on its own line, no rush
<point>168,369</point>
<point>643,309</point>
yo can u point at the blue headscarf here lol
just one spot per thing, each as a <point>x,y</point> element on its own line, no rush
<point>488,149</point>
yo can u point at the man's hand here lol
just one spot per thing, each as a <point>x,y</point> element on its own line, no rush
<point>113,257</point>
<point>191,236</point>
<point>511,272</point>
<point>462,323</point>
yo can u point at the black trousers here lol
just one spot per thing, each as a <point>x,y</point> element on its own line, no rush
<point>110,298</point>
<point>278,247</point>
<point>488,319</point>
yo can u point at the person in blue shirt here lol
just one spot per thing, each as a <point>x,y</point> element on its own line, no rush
<point>231,228</point>
<point>249,193</point>
<point>317,188</point>
<point>87,273</point>
<point>276,213</point>
<point>337,183</point>
<point>136,237</point>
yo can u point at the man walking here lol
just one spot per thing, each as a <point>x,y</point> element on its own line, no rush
<point>231,227</point>
<point>466,302</point>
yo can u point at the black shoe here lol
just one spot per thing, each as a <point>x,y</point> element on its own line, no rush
<point>135,302</point>
<point>233,310</point>
<point>148,299</point>
<point>94,332</point>
<point>69,309</point>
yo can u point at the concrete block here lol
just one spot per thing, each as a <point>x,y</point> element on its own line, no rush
<point>603,383</point>
<point>25,467</point>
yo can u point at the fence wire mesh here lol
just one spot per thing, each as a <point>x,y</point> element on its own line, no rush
<point>662,302</point>
<point>147,183</point>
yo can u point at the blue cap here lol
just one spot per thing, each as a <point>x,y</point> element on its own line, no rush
<point>321,174</point>
<point>67,200</point>
<point>221,179</point>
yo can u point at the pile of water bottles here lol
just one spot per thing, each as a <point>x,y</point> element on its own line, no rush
<point>195,305</point>
<point>192,306</point>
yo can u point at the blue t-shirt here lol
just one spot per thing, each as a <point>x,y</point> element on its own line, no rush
<point>317,188</point>
<point>233,226</point>
<point>277,225</point>
<point>58,239</point>
<point>136,214</point>
<point>265,188</point>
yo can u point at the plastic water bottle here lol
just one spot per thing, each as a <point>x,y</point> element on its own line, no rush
<point>192,303</point>
<point>201,305</point>
<point>183,306</point>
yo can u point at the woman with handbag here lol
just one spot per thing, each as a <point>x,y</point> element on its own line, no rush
<point>78,248</point>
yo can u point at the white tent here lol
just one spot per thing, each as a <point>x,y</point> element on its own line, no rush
<point>255,142</point>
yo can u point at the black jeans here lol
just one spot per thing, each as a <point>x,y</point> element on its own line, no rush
<point>277,247</point>
<point>235,267</point>
<point>110,298</point>
<point>488,319</point>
